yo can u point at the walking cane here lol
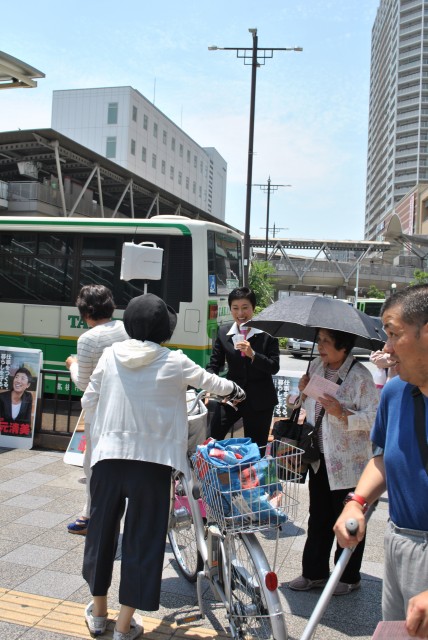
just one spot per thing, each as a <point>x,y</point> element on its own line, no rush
<point>325,597</point>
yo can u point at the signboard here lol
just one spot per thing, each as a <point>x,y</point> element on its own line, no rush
<point>77,445</point>
<point>285,382</point>
<point>19,391</point>
<point>212,284</point>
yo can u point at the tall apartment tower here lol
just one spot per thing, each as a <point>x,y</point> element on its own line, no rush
<point>398,116</point>
<point>121,124</point>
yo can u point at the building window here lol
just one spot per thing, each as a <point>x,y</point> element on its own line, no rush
<point>181,150</point>
<point>188,155</point>
<point>134,113</point>
<point>144,154</point>
<point>173,144</point>
<point>133,145</point>
<point>171,172</point>
<point>154,161</point>
<point>164,136</point>
<point>111,147</point>
<point>180,177</point>
<point>194,187</point>
<point>195,161</point>
<point>155,130</point>
<point>145,122</point>
<point>200,192</point>
<point>163,166</point>
<point>202,166</point>
<point>112,113</point>
<point>187,182</point>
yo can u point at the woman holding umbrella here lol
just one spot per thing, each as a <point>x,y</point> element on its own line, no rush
<point>345,449</point>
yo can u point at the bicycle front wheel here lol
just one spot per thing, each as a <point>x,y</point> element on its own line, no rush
<point>181,534</point>
<point>254,605</point>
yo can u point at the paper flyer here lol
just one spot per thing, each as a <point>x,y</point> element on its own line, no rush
<point>395,630</point>
<point>319,386</point>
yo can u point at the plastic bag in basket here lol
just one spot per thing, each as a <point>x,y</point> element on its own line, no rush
<point>237,484</point>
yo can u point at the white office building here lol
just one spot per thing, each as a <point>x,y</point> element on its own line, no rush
<point>398,117</point>
<point>122,125</point>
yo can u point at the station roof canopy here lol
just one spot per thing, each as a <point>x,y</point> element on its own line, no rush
<point>15,74</point>
<point>51,153</point>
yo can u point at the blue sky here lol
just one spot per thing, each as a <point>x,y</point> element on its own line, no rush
<point>311,107</point>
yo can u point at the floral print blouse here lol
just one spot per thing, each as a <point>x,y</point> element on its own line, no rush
<point>347,447</point>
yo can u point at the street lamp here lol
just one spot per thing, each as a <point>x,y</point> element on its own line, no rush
<point>268,188</point>
<point>255,56</point>
<point>356,285</point>
<point>393,288</point>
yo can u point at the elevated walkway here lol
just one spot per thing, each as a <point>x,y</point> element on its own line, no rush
<point>338,266</point>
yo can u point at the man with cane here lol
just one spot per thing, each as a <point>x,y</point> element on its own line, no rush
<point>400,464</point>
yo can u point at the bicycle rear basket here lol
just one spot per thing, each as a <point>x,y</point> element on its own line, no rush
<point>251,496</point>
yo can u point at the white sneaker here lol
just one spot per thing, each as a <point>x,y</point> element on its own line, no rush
<point>96,624</point>
<point>135,631</point>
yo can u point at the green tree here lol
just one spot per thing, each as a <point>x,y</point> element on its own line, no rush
<point>420,277</point>
<point>259,281</point>
<point>374,292</point>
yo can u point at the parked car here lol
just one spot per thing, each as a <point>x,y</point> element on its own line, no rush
<point>301,348</point>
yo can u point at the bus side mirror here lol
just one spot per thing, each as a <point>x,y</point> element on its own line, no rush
<point>141,261</point>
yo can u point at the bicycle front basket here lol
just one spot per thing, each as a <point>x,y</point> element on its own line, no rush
<point>251,496</point>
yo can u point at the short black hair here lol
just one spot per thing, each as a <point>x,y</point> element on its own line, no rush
<point>342,340</point>
<point>413,302</point>
<point>95,301</point>
<point>242,293</point>
<point>26,372</point>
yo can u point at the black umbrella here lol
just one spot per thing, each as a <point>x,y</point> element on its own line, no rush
<point>301,317</point>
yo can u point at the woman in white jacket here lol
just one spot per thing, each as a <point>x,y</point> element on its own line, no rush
<point>136,403</point>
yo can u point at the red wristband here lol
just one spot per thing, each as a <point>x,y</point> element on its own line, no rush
<point>356,498</point>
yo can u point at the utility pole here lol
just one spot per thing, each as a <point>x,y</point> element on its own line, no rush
<point>268,188</point>
<point>254,56</point>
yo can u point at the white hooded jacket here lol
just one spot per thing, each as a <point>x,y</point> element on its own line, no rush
<point>136,403</point>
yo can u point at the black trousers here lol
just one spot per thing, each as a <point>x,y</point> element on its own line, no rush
<point>325,506</point>
<point>256,423</point>
<point>148,488</point>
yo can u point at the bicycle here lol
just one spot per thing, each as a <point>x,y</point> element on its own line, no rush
<point>209,541</point>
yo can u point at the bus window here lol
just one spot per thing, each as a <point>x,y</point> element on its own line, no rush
<point>36,267</point>
<point>370,306</point>
<point>101,260</point>
<point>224,261</point>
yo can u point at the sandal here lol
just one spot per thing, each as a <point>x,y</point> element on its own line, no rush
<point>79,526</point>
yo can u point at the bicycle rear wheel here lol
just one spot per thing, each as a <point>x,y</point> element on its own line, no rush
<point>181,533</point>
<point>254,605</point>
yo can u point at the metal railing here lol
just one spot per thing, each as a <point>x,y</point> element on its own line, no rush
<point>57,413</point>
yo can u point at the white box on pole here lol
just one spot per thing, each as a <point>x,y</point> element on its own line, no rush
<point>141,261</point>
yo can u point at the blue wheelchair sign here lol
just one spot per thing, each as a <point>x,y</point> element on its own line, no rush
<point>212,284</point>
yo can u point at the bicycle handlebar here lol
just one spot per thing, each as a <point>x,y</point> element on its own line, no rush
<point>202,394</point>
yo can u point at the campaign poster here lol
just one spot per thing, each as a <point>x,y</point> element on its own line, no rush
<point>19,391</point>
<point>77,445</point>
<point>286,385</point>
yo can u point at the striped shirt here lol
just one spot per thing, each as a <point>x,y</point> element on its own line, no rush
<point>90,347</point>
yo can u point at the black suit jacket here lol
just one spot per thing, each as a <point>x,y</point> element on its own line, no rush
<point>255,377</point>
<point>24,414</point>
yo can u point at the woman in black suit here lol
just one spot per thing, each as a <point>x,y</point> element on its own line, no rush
<point>16,404</point>
<point>251,363</point>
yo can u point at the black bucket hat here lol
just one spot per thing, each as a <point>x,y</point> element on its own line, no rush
<point>147,317</point>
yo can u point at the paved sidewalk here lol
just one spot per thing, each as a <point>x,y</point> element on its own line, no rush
<point>42,592</point>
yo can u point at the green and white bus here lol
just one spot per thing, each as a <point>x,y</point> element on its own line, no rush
<point>45,261</point>
<point>370,306</point>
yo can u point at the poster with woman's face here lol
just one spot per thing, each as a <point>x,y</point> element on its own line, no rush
<point>19,390</point>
